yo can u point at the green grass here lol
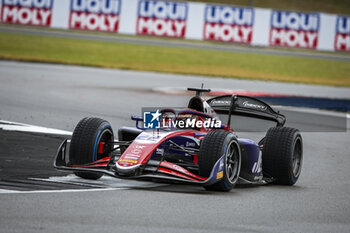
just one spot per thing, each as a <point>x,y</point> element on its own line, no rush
<point>329,6</point>
<point>171,39</point>
<point>174,60</point>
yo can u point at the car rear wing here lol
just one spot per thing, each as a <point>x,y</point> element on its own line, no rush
<point>245,106</point>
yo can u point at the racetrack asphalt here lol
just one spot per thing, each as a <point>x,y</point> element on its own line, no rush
<point>172,43</point>
<point>59,96</point>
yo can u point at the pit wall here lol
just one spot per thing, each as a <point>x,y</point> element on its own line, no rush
<point>186,20</point>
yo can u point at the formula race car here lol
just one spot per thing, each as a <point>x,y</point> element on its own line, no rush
<point>189,145</point>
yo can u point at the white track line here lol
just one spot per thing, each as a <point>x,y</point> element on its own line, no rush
<point>104,182</point>
<point>7,191</point>
<point>15,126</point>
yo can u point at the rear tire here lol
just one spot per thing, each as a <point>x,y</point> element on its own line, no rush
<point>87,136</point>
<point>282,155</point>
<point>214,145</point>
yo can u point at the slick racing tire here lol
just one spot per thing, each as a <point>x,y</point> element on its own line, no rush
<point>216,144</point>
<point>87,137</point>
<point>282,155</point>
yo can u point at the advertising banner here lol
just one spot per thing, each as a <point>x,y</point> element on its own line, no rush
<point>228,24</point>
<point>27,12</point>
<point>95,15</point>
<point>294,29</point>
<point>186,20</point>
<point>342,35</point>
<point>160,18</point>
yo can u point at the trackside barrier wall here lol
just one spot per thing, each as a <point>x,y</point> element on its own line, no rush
<point>187,20</point>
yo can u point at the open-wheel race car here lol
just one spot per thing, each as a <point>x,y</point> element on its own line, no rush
<point>206,154</point>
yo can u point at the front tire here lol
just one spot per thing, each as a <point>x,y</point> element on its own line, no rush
<point>84,148</point>
<point>282,155</point>
<point>214,145</point>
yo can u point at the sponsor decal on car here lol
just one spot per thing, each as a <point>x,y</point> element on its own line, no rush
<point>190,144</point>
<point>221,165</point>
<point>228,24</point>
<point>247,104</point>
<point>160,151</point>
<point>160,18</point>
<point>128,161</point>
<point>257,167</point>
<point>150,138</point>
<point>27,12</point>
<point>134,153</point>
<point>179,169</point>
<point>294,29</point>
<point>221,103</point>
<point>219,175</point>
<point>95,15</point>
<point>342,36</point>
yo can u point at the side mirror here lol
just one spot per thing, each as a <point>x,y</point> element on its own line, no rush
<point>138,119</point>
